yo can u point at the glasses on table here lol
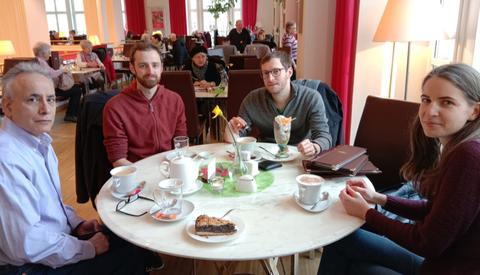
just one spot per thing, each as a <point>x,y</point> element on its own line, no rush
<point>121,204</point>
<point>275,72</point>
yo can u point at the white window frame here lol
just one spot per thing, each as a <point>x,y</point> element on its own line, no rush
<point>71,15</point>
<point>200,10</point>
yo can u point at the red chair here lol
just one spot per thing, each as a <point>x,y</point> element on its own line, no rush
<point>236,61</point>
<point>252,63</point>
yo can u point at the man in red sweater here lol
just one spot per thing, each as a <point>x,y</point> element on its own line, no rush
<point>144,118</point>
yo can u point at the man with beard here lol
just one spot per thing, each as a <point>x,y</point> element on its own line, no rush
<point>309,131</point>
<point>144,118</point>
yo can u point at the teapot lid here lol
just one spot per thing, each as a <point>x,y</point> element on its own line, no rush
<point>182,160</point>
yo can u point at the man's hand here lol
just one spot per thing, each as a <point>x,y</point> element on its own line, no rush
<point>237,123</point>
<point>307,148</point>
<point>100,242</point>
<point>87,227</point>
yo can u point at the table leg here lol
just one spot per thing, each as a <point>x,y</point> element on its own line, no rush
<point>294,264</point>
<point>226,268</point>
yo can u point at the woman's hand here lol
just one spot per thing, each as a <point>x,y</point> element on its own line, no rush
<point>367,191</point>
<point>353,203</point>
<point>92,64</point>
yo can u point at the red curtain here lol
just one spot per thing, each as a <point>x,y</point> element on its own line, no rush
<point>344,52</point>
<point>135,16</point>
<point>178,17</point>
<point>249,13</point>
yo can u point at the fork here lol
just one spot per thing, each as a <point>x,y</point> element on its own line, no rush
<point>228,212</point>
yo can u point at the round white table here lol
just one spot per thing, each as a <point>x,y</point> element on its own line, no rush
<point>275,224</point>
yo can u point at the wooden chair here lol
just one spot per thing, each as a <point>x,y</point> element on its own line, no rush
<point>384,130</point>
<point>11,62</point>
<point>181,83</point>
<point>126,49</point>
<point>259,50</point>
<point>252,63</point>
<point>216,52</point>
<point>228,50</point>
<point>287,50</point>
<point>236,61</point>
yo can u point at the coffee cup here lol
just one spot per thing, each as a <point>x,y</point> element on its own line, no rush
<point>124,178</point>
<point>309,188</point>
<point>169,196</point>
<point>247,144</point>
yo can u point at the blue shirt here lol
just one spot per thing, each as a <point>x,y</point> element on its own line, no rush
<point>35,225</point>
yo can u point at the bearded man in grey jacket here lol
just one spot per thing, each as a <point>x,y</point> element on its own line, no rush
<point>309,132</point>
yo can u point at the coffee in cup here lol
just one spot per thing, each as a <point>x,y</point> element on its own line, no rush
<point>124,178</point>
<point>247,144</point>
<point>309,188</point>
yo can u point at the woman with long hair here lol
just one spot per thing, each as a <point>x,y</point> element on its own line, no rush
<point>443,166</point>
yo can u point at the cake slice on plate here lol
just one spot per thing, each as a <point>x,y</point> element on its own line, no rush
<point>211,226</point>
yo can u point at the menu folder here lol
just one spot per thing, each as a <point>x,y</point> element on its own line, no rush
<point>339,156</point>
<point>367,169</point>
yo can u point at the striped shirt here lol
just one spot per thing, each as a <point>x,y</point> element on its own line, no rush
<point>290,41</point>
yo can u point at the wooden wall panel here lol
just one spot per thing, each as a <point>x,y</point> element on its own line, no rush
<point>14,27</point>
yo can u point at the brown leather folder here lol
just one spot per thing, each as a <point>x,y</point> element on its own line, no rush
<point>366,169</point>
<point>338,156</point>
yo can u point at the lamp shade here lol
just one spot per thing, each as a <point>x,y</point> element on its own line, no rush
<point>6,47</point>
<point>259,24</point>
<point>410,20</point>
<point>62,34</point>
<point>94,39</point>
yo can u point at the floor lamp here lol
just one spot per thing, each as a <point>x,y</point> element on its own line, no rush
<point>6,48</point>
<point>407,21</point>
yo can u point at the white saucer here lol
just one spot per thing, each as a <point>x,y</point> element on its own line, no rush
<point>319,208</point>
<point>173,155</point>
<point>187,209</point>
<point>195,189</point>
<point>119,196</point>
<point>257,153</point>
<point>239,224</point>
<point>292,154</point>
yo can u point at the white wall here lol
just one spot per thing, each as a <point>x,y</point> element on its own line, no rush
<point>36,22</point>
<point>265,14</point>
<point>154,5</point>
<point>115,21</point>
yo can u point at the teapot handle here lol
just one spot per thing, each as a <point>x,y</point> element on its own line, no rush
<point>165,169</point>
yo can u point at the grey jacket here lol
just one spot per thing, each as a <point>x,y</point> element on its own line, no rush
<point>306,105</point>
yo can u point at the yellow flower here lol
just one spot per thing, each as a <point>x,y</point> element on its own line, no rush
<point>217,111</point>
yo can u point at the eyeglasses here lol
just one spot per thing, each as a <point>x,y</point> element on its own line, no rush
<point>121,204</point>
<point>274,72</point>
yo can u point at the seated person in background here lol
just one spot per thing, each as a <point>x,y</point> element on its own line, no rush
<point>71,35</point>
<point>178,50</point>
<point>226,40</point>
<point>261,35</point>
<point>146,38</point>
<point>129,36</point>
<point>443,165</point>
<point>38,232</point>
<point>204,73</point>
<point>87,58</point>
<point>144,118</point>
<point>157,40</point>
<point>42,52</point>
<point>199,37</point>
<point>281,97</point>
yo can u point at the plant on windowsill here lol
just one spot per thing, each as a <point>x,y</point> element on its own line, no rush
<point>220,6</point>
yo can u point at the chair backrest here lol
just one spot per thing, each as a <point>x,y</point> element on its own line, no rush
<point>136,37</point>
<point>259,50</point>
<point>181,83</point>
<point>126,49</point>
<point>287,50</point>
<point>228,50</point>
<point>11,62</point>
<point>236,61</point>
<point>270,44</point>
<point>240,84</point>
<point>217,52</point>
<point>252,63</point>
<point>384,130</point>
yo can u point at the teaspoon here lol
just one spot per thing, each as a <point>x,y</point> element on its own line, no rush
<point>323,196</point>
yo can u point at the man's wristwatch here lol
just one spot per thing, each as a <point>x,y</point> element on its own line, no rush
<point>315,150</point>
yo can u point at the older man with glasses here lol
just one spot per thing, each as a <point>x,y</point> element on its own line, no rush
<point>309,131</point>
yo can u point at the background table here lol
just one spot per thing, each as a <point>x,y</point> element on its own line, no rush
<point>85,71</point>
<point>275,225</point>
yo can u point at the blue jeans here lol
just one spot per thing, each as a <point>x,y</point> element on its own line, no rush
<point>121,258</point>
<point>364,252</point>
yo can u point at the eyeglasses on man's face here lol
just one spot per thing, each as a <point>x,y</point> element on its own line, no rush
<point>275,72</point>
<point>121,204</point>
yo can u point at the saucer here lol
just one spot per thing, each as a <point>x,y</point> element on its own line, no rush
<point>292,154</point>
<point>319,208</point>
<point>119,196</point>
<point>230,149</point>
<point>195,189</point>
<point>187,209</point>
<point>173,155</point>
<point>239,224</point>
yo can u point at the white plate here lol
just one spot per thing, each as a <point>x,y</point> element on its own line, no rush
<point>187,209</point>
<point>195,189</point>
<point>319,208</point>
<point>119,196</point>
<point>230,148</point>
<point>239,222</point>
<point>173,155</point>
<point>292,154</point>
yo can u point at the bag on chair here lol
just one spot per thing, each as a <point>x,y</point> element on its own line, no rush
<point>65,81</point>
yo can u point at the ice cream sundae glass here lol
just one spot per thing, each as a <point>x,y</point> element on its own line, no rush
<point>281,128</point>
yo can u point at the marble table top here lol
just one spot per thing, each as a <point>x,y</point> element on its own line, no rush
<point>275,224</point>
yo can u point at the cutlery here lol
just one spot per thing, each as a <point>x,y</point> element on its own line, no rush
<point>137,190</point>
<point>172,204</point>
<point>323,196</point>
<point>228,212</point>
<point>275,156</point>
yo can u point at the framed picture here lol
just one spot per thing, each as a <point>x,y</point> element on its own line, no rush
<point>157,20</point>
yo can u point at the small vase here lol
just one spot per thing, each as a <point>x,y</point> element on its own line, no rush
<point>238,167</point>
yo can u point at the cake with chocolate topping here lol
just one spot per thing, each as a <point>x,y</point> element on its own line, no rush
<point>211,226</point>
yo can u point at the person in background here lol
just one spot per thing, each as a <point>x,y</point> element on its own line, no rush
<point>226,40</point>
<point>261,35</point>
<point>39,234</point>
<point>87,58</point>
<point>310,131</point>
<point>157,39</point>
<point>146,38</point>
<point>443,165</point>
<point>178,50</point>
<point>240,37</point>
<point>71,34</point>
<point>42,52</point>
<point>129,36</point>
<point>289,40</point>
<point>204,73</point>
<point>199,37</point>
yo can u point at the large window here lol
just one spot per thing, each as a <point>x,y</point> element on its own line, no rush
<point>65,15</point>
<point>443,52</point>
<point>200,19</point>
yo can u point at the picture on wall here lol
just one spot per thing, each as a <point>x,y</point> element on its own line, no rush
<point>157,20</point>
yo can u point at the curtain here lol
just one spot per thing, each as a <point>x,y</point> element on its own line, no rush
<point>344,52</point>
<point>178,17</point>
<point>249,13</point>
<point>135,16</point>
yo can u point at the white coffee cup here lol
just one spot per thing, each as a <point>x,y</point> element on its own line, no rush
<point>309,187</point>
<point>124,178</point>
<point>247,144</point>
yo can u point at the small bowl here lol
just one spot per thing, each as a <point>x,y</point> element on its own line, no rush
<point>206,155</point>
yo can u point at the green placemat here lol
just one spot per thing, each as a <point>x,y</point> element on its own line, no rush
<point>218,91</point>
<point>264,180</point>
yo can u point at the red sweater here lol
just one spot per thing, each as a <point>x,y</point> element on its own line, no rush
<point>447,233</point>
<point>135,127</point>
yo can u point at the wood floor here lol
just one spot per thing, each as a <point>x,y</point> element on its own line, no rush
<point>63,134</point>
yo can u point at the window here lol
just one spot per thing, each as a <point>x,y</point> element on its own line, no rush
<point>123,15</point>
<point>444,50</point>
<point>65,15</point>
<point>200,19</point>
